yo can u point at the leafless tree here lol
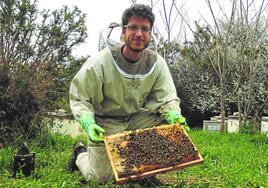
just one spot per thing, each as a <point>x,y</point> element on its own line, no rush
<point>238,43</point>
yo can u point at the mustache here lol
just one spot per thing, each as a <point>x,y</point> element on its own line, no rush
<point>137,38</point>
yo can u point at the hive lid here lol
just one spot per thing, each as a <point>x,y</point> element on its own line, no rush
<point>123,147</point>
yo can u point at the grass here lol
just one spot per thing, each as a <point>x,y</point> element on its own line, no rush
<point>230,160</point>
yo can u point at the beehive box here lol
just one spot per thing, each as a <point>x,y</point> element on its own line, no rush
<point>146,152</point>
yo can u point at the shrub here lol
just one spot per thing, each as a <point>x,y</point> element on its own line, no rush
<point>35,51</point>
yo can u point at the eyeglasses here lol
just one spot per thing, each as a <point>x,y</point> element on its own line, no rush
<point>135,28</point>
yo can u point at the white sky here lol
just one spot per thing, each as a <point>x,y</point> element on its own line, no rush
<point>102,12</point>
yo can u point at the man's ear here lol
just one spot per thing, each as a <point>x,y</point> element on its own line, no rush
<point>123,31</point>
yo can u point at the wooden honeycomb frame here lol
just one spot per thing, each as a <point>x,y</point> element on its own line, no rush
<point>144,170</point>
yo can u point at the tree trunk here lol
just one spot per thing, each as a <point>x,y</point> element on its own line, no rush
<point>222,104</point>
<point>239,115</point>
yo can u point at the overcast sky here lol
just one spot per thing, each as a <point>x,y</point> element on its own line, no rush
<point>102,12</point>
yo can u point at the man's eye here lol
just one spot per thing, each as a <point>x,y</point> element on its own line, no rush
<point>145,29</point>
<point>133,28</point>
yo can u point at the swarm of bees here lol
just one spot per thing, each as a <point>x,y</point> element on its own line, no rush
<point>155,148</point>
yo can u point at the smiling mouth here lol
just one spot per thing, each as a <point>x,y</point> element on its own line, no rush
<point>138,41</point>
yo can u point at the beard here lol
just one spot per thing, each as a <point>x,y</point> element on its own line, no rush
<point>136,48</point>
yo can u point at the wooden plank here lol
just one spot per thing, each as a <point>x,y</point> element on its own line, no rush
<point>113,142</point>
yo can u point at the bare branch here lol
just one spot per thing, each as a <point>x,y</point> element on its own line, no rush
<point>133,1</point>
<point>214,18</point>
<point>222,11</point>
<point>184,19</point>
<point>259,16</point>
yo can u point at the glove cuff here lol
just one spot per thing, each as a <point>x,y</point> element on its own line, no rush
<point>171,117</point>
<point>86,120</point>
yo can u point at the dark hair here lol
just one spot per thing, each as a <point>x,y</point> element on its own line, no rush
<point>138,10</point>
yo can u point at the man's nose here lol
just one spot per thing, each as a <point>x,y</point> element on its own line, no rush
<point>138,31</point>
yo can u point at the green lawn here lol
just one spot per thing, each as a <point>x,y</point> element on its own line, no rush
<point>230,160</point>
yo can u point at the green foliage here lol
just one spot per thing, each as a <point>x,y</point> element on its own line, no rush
<point>212,73</point>
<point>35,52</point>
<point>251,126</point>
<point>197,73</point>
<point>67,75</point>
<point>230,160</point>
<point>169,50</point>
<point>194,78</point>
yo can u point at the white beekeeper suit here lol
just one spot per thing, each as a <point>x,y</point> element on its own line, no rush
<point>120,96</point>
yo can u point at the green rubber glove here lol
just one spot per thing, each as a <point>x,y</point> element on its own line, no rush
<point>94,131</point>
<point>174,117</point>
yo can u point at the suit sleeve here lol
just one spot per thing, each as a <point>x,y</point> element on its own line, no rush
<point>85,90</point>
<point>163,96</point>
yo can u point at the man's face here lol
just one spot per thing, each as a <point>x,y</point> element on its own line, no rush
<point>137,34</point>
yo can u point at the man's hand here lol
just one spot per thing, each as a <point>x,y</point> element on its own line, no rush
<point>173,117</point>
<point>94,131</point>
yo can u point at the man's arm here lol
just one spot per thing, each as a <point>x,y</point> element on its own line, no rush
<point>85,89</point>
<point>163,97</point>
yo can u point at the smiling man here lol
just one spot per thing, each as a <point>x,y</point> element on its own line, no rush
<point>124,87</point>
